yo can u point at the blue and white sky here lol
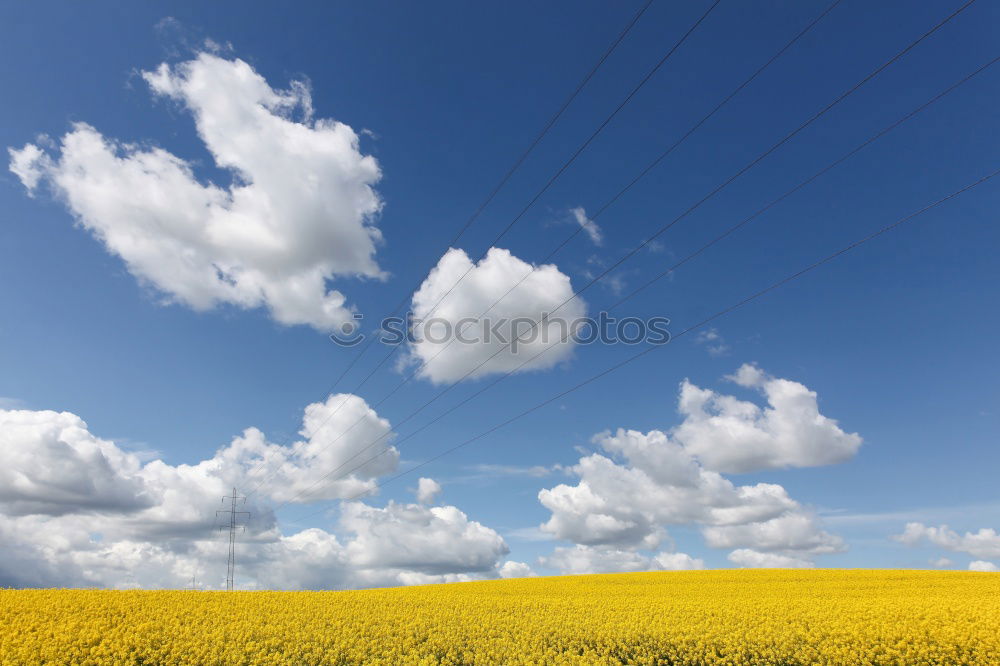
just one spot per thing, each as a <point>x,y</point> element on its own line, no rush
<point>197,195</point>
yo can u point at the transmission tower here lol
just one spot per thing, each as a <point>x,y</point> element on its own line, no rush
<point>234,499</point>
<point>194,584</point>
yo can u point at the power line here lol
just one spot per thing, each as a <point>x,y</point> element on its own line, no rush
<point>674,267</point>
<point>645,171</point>
<point>694,327</point>
<point>808,180</point>
<point>600,128</point>
<point>663,155</point>
<point>649,75</point>
<point>503,181</point>
<point>514,167</point>
<point>582,147</point>
<point>550,182</point>
<point>646,242</point>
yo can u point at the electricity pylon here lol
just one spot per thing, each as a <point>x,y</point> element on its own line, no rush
<point>233,524</point>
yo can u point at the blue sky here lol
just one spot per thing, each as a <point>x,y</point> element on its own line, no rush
<point>895,338</point>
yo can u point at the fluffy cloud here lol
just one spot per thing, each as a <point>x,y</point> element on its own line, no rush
<point>733,436</point>
<point>341,435</point>
<point>677,562</point>
<point>981,565</point>
<point>428,540</point>
<point>51,464</point>
<point>752,559</point>
<point>660,484</point>
<point>984,544</point>
<point>427,490</point>
<point>76,510</point>
<point>544,289</point>
<point>300,209</point>
<point>790,532</point>
<point>580,559</point>
<point>511,569</point>
<point>642,483</point>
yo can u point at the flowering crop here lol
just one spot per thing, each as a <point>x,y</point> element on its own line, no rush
<point>688,617</point>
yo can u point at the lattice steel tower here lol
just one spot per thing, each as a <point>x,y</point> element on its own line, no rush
<point>233,524</point>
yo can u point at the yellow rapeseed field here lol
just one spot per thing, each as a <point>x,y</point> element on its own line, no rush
<point>690,617</point>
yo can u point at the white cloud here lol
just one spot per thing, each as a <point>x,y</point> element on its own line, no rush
<point>76,510</point>
<point>580,559</point>
<point>677,562</point>
<point>796,532</point>
<point>984,544</point>
<point>748,375</point>
<point>588,225</point>
<point>299,212</point>
<point>713,342</point>
<point>981,565</point>
<point>51,464</point>
<point>341,435</point>
<point>752,559</point>
<point>512,569</point>
<point>30,165</point>
<point>735,436</point>
<point>660,485</point>
<point>427,490</point>
<point>941,563</point>
<point>642,483</point>
<point>427,540</point>
<point>483,284</point>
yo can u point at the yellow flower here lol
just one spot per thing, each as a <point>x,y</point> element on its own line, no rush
<point>734,617</point>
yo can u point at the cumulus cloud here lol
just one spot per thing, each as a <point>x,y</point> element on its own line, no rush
<point>299,211</point>
<point>790,532</point>
<point>640,484</point>
<point>588,225</point>
<point>512,569</point>
<point>660,484</point>
<point>429,540</point>
<point>734,436</point>
<point>984,544</point>
<point>427,490</point>
<point>446,359</point>
<point>77,510</point>
<point>982,565</point>
<point>51,464</point>
<point>340,435</point>
<point>581,559</point>
<point>677,562</point>
<point>752,559</point>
